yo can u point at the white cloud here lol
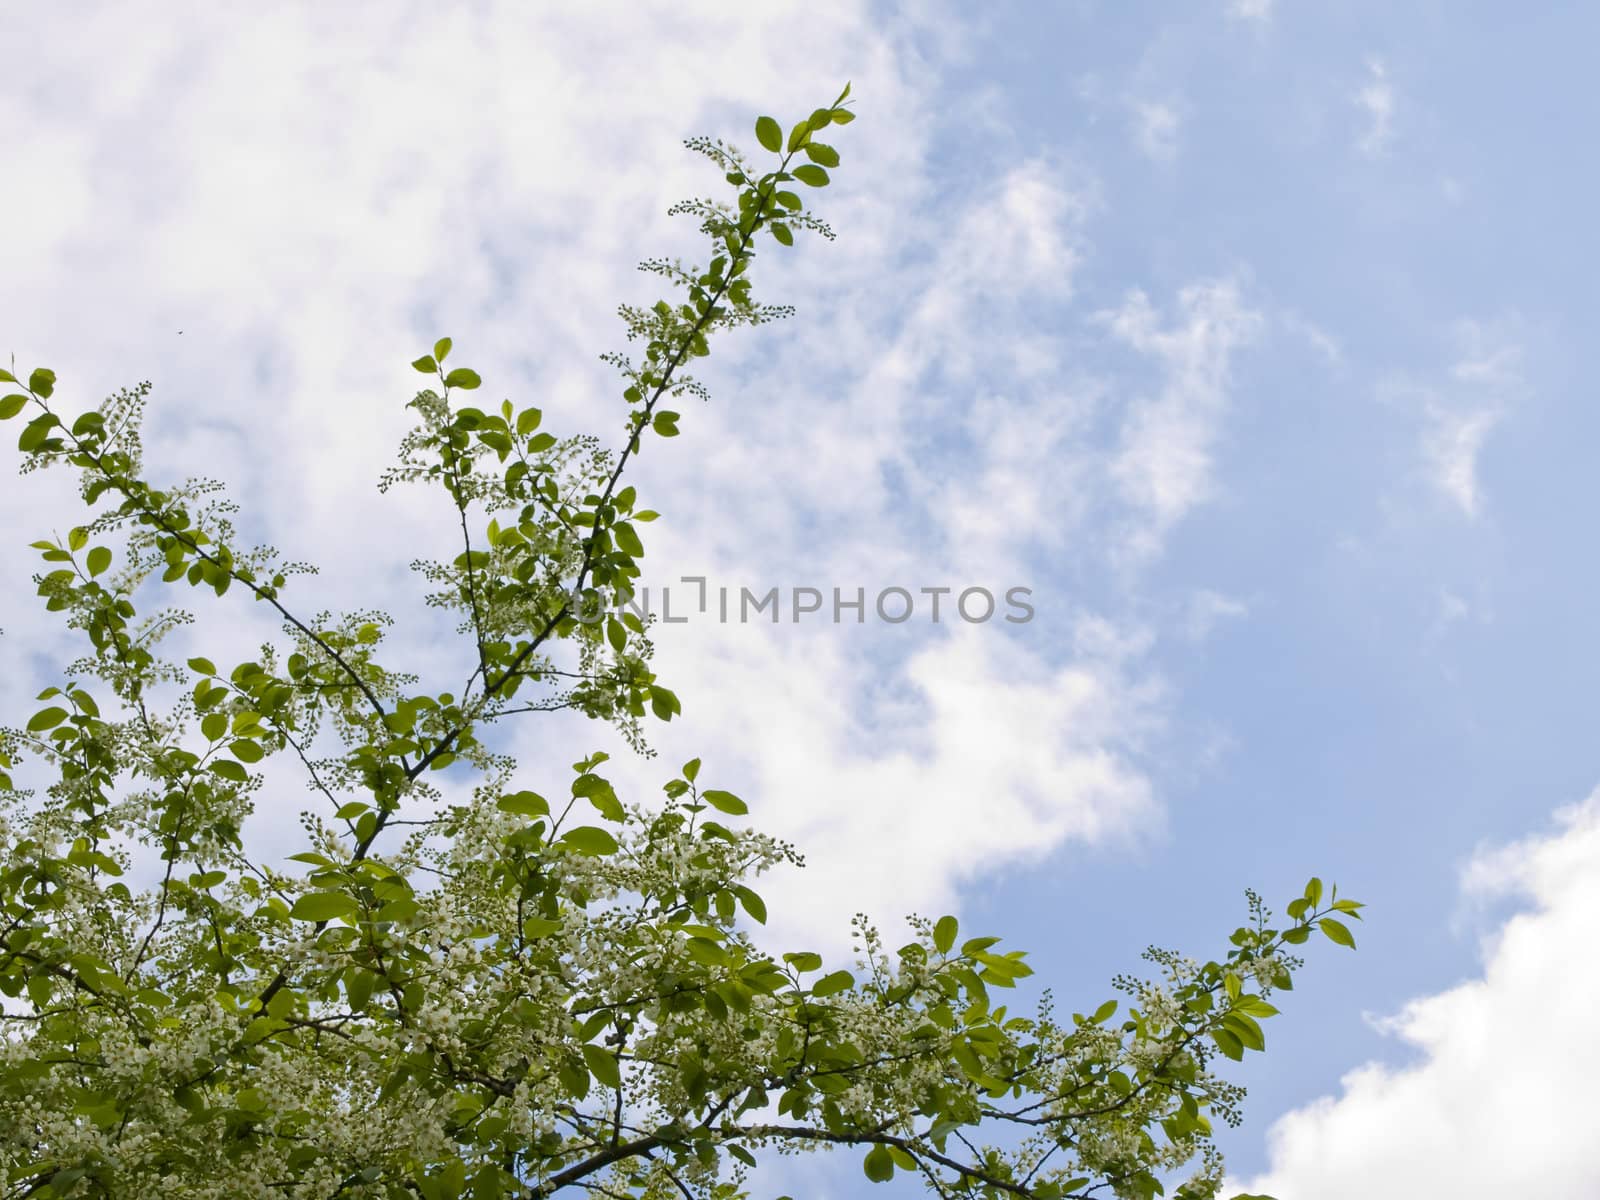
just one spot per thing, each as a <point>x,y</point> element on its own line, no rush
<point>1376,100</point>
<point>1163,467</point>
<point>1498,1102</point>
<point>903,780</point>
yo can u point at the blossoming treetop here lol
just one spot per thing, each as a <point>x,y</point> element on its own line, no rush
<point>527,992</point>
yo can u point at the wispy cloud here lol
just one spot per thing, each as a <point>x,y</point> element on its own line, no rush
<point>1207,609</point>
<point>1155,129</point>
<point>1319,339</point>
<point>1376,100</point>
<point>1451,444</point>
<point>1250,10</point>
<point>1459,414</point>
<point>1163,467</point>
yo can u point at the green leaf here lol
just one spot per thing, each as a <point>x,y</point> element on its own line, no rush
<point>527,804</point>
<point>781,233</point>
<point>878,1165</point>
<point>425,364</point>
<point>830,985</point>
<point>1228,1043</point>
<point>590,840</point>
<point>11,405</point>
<point>664,703</point>
<point>1246,1030</point>
<point>1337,931</point>
<point>725,802</point>
<point>226,768</point>
<point>616,634</point>
<point>323,906</point>
<point>811,175</point>
<point>35,432</point>
<point>944,934</point>
<point>691,769</point>
<point>441,348</point>
<point>462,377</point>
<point>1314,892</point>
<point>822,155</point>
<point>706,952</point>
<point>246,750</point>
<point>603,1065</point>
<point>574,1078</point>
<point>42,382</point>
<point>214,725</point>
<point>1254,1006</point>
<point>358,985</point>
<point>601,795</point>
<point>627,540</point>
<point>538,927</point>
<point>203,665</point>
<point>46,718</point>
<point>99,560</point>
<point>770,134</point>
<point>753,904</point>
<point>665,424</point>
<point>803,960</point>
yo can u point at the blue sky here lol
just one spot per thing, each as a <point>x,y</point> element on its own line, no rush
<point>1246,333</point>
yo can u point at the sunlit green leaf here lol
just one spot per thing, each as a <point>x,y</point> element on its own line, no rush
<point>1337,931</point>
<point>46,718</point>
<point>323,906</point>
<point>590,840</point>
